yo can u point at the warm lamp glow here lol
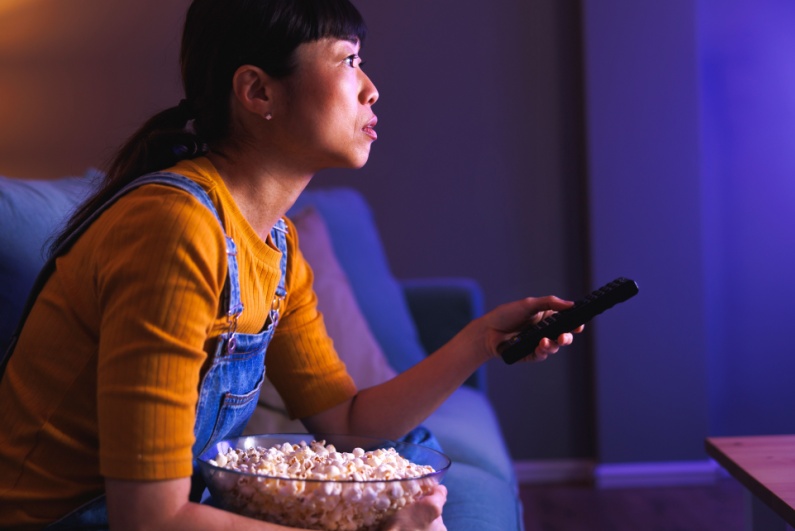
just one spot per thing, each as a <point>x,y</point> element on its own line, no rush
<point>77,78</point>
<point>25,26</point>
<point>9,5</point>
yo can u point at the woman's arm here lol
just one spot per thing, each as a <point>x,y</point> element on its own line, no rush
<point>154,505</point>
<point>397,406</point>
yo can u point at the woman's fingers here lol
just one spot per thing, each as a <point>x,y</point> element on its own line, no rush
<point>423,515</point>
<point>546,347</point>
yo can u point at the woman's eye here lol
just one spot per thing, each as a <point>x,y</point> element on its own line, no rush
<point>353,61</point>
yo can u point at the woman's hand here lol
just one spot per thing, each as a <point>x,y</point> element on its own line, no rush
<point>423,515</point>
<point>505,321</point>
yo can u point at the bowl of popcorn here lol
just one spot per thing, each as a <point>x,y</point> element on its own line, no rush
<point>324,482</point>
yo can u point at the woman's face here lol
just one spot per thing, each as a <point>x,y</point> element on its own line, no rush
<point>326,106</point>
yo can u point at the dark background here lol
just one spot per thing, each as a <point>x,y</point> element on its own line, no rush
<point>539,146</point>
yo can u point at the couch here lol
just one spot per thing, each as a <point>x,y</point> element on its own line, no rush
<point>383,326</point>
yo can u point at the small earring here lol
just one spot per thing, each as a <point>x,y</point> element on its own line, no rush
<point>268,116</point>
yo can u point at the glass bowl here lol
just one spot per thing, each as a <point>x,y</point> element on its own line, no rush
<point>324,504</point>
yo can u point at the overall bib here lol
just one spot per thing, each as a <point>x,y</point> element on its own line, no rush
<point>229,389</point>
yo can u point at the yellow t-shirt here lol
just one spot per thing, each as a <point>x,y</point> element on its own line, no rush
<point>104,379</point>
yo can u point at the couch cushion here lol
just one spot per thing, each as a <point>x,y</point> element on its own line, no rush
<point>344,321</point>
<point>30,211</point>
<point>358,247</point>
<point>467,428</point>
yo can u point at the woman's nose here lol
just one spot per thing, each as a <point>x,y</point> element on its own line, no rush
<point>369,93</point>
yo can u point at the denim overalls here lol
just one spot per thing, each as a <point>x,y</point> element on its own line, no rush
<point>229,389</point>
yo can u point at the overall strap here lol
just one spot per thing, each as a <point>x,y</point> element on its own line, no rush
<point>167,178</point>
<point>279,237</point>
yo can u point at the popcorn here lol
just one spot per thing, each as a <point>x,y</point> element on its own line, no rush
<point>314,486</point>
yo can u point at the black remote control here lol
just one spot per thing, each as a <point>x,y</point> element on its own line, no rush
<point>604,298</point>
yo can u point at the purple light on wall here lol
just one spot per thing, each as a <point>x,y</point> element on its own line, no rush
<point>749,196</point>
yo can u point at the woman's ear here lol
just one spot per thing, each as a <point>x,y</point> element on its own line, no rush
<point>253,90</point>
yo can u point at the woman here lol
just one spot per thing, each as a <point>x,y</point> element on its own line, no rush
<point>166,292</point>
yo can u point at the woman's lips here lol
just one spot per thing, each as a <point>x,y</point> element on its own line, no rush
<point>369,128</point>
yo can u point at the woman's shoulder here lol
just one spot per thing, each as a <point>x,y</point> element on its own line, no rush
<point>168,204</point>
<point>157,219</point>
<point>162,205</point>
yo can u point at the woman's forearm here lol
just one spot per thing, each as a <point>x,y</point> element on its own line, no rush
<point>393,408</point>
<point>152,505</point>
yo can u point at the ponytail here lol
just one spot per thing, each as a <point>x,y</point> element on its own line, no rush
<point>160,143</point>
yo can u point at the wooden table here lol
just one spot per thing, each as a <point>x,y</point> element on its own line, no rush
<point>765,465</point>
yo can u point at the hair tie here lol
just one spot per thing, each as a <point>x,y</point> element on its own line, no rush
<point>186,109</point>
<point>190,149</point>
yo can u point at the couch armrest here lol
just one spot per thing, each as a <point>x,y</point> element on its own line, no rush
<point>441,307</point>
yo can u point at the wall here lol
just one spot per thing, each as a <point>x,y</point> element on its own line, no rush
<point>691,128</point>
<point>645,197</point>
<point>749,189</point>
<point>78,77</point>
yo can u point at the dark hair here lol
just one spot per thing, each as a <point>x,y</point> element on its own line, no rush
<point>218,37</point>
